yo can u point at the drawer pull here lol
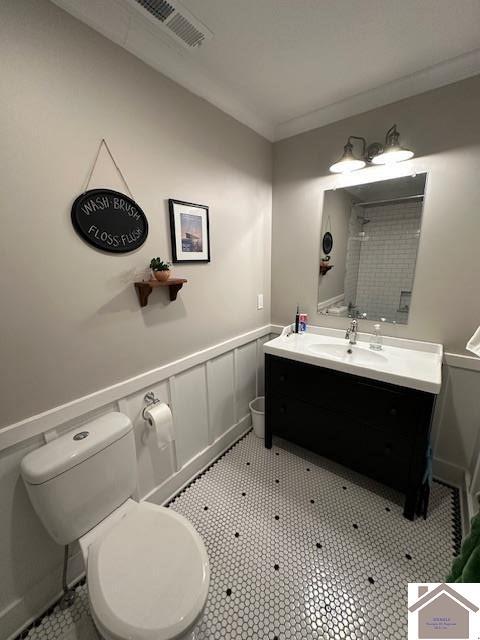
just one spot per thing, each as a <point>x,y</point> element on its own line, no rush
<point>283,378</point>
<point>283,409</point>
<point>393,412</point>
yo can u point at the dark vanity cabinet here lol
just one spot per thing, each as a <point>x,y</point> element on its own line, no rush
<point>378,429</point>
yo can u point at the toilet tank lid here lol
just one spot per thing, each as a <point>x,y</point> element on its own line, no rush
<point>72,448</point>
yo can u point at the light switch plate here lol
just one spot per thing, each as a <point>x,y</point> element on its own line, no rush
<point>260,301</point>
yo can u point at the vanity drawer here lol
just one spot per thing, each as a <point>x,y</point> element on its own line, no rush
<point>326,432</point>
<point>384,444</point>
<point>377,428</point>
<point>388,407</point>
<point>337,437</point>
<point>315,385</point>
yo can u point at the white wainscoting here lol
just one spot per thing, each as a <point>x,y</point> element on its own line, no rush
<point>208,392</point>
<point>459,436</point>
<point>59,416</point>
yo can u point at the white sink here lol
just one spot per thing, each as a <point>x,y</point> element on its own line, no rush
<point>407,363</point>
<point>348,353</point>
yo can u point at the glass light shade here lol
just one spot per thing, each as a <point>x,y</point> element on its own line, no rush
<point>391,155</point>
<point>347,162</point>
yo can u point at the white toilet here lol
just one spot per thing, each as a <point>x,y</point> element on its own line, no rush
<point>147,568</point>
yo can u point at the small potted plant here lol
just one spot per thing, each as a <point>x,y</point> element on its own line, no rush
<point>161,269</point>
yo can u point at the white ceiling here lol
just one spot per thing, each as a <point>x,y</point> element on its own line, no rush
<point>285,66</point>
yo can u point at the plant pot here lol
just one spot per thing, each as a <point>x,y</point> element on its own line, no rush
<point>161,276</point>
<point>325,267</point>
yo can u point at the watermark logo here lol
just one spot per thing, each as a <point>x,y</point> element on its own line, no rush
<point>448,611</point>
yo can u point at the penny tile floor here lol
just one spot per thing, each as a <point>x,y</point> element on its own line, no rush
<point>299,547</point>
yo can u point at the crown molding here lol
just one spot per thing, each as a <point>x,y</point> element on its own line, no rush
<point>453,70</point>
<point>119,22</point>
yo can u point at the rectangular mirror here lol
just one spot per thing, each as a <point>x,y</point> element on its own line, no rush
<point>369,243</point>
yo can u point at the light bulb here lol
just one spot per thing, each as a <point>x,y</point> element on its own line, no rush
<point>347,165</point>
<point>393,155</point>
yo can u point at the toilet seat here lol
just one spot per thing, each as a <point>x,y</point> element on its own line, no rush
<point>148,576</point>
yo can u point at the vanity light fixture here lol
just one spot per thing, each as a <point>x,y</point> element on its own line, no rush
<point>392,151</point>
<point>348,162</point>
<point>373,153</point>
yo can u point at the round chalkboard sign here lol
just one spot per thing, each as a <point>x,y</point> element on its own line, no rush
<point>109,220</point>
<point>327,242</point>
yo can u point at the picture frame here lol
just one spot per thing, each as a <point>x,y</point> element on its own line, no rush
<point>190,231</point>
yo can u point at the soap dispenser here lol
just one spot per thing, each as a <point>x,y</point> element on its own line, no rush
<point>376,342</point>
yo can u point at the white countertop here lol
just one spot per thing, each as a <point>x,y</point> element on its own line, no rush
<point>407,363</point>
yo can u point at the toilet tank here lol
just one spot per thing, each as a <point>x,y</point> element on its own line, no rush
<point>78,479</point>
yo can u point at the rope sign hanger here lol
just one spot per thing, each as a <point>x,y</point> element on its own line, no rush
<point>107,219</point>
<point>103,143</point>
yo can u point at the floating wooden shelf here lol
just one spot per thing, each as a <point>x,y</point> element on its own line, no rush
<point>144,289</point>
<point>325,268</point>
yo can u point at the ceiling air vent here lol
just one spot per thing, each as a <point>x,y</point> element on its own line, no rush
<point>158,8</point>
<point>175,20</point>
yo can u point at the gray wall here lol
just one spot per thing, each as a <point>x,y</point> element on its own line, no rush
<point>70,321</point>
<point>442,127</point>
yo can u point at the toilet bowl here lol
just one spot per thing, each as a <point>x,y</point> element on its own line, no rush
<point>147,568</point>
<point>147,574</point>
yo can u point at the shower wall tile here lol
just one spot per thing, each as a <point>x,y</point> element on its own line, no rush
<point>382,263</point>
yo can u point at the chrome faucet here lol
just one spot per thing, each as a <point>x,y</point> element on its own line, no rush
<point>351,333</point>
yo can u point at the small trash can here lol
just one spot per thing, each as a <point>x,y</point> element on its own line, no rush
<point>257,408</point>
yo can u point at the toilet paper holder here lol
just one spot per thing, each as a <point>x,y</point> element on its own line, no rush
<point>150,399</point>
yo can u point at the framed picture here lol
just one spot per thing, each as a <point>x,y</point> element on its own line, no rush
<point>190,231</point>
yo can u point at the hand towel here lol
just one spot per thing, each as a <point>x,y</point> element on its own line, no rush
<point>473,344</point>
